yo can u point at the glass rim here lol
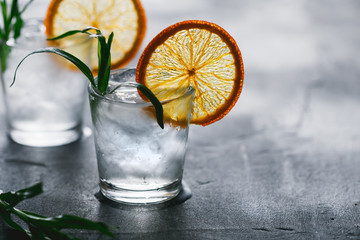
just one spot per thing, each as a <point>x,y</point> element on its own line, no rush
<point>93,92</point>
<point>39,31</point>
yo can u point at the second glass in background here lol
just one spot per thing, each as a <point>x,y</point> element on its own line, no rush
<point>45,105</point>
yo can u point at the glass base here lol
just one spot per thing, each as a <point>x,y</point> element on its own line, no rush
<point>140,197</point>
<point>45,139</point>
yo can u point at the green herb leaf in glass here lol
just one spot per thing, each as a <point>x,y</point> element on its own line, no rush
<point>11,28</point>
<point>104,64</point>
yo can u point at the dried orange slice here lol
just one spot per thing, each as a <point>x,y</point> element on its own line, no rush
<point>199,54</point>
<point>126,18</point>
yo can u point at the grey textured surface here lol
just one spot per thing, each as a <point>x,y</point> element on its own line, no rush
<point>284,164</point>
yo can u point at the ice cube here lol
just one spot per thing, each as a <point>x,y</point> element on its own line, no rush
<point>122,87</point>
<point>124,75</point>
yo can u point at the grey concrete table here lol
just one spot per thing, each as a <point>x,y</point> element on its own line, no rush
<point>284,164</point>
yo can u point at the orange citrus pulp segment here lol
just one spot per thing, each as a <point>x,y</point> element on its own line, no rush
<point>199,54</point>
<point>126,18</point>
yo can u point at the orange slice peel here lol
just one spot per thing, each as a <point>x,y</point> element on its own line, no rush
<point>199,54</point>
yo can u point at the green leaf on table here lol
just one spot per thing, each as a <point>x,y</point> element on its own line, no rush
<point>13,198</point>
<point>41,227</point>
<point>5,215</point>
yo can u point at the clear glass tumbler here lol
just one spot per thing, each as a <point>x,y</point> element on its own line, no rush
<point>138,161</point>
<point>45,105</point>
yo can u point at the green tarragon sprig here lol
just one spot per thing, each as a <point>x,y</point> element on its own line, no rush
<point>104,65</point>
<point>40,227</point>
<point>11,28</point>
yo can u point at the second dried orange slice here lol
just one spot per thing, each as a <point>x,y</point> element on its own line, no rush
<point>199,54</point>
<point>126,18</point>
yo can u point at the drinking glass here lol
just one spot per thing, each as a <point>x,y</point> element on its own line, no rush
<point>45,105</point>
<point>138,161</point>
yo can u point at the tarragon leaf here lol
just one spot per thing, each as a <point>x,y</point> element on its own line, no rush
<point>4,53</point>
<point>69,33</point>
<point>12,25</point>
<point>149,95</point>
<point>41,227</point>
<point>26,6</point>
<point>5,19</point>
<point>15,14</point>
<point>5,215</point>
<point>77,62</point>
<point>104,59</point>
<point>153,99</point>
<point>13,198</point>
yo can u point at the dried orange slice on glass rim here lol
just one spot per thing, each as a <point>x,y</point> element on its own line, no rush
<point>199,54</point>
<point>126,18</point>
